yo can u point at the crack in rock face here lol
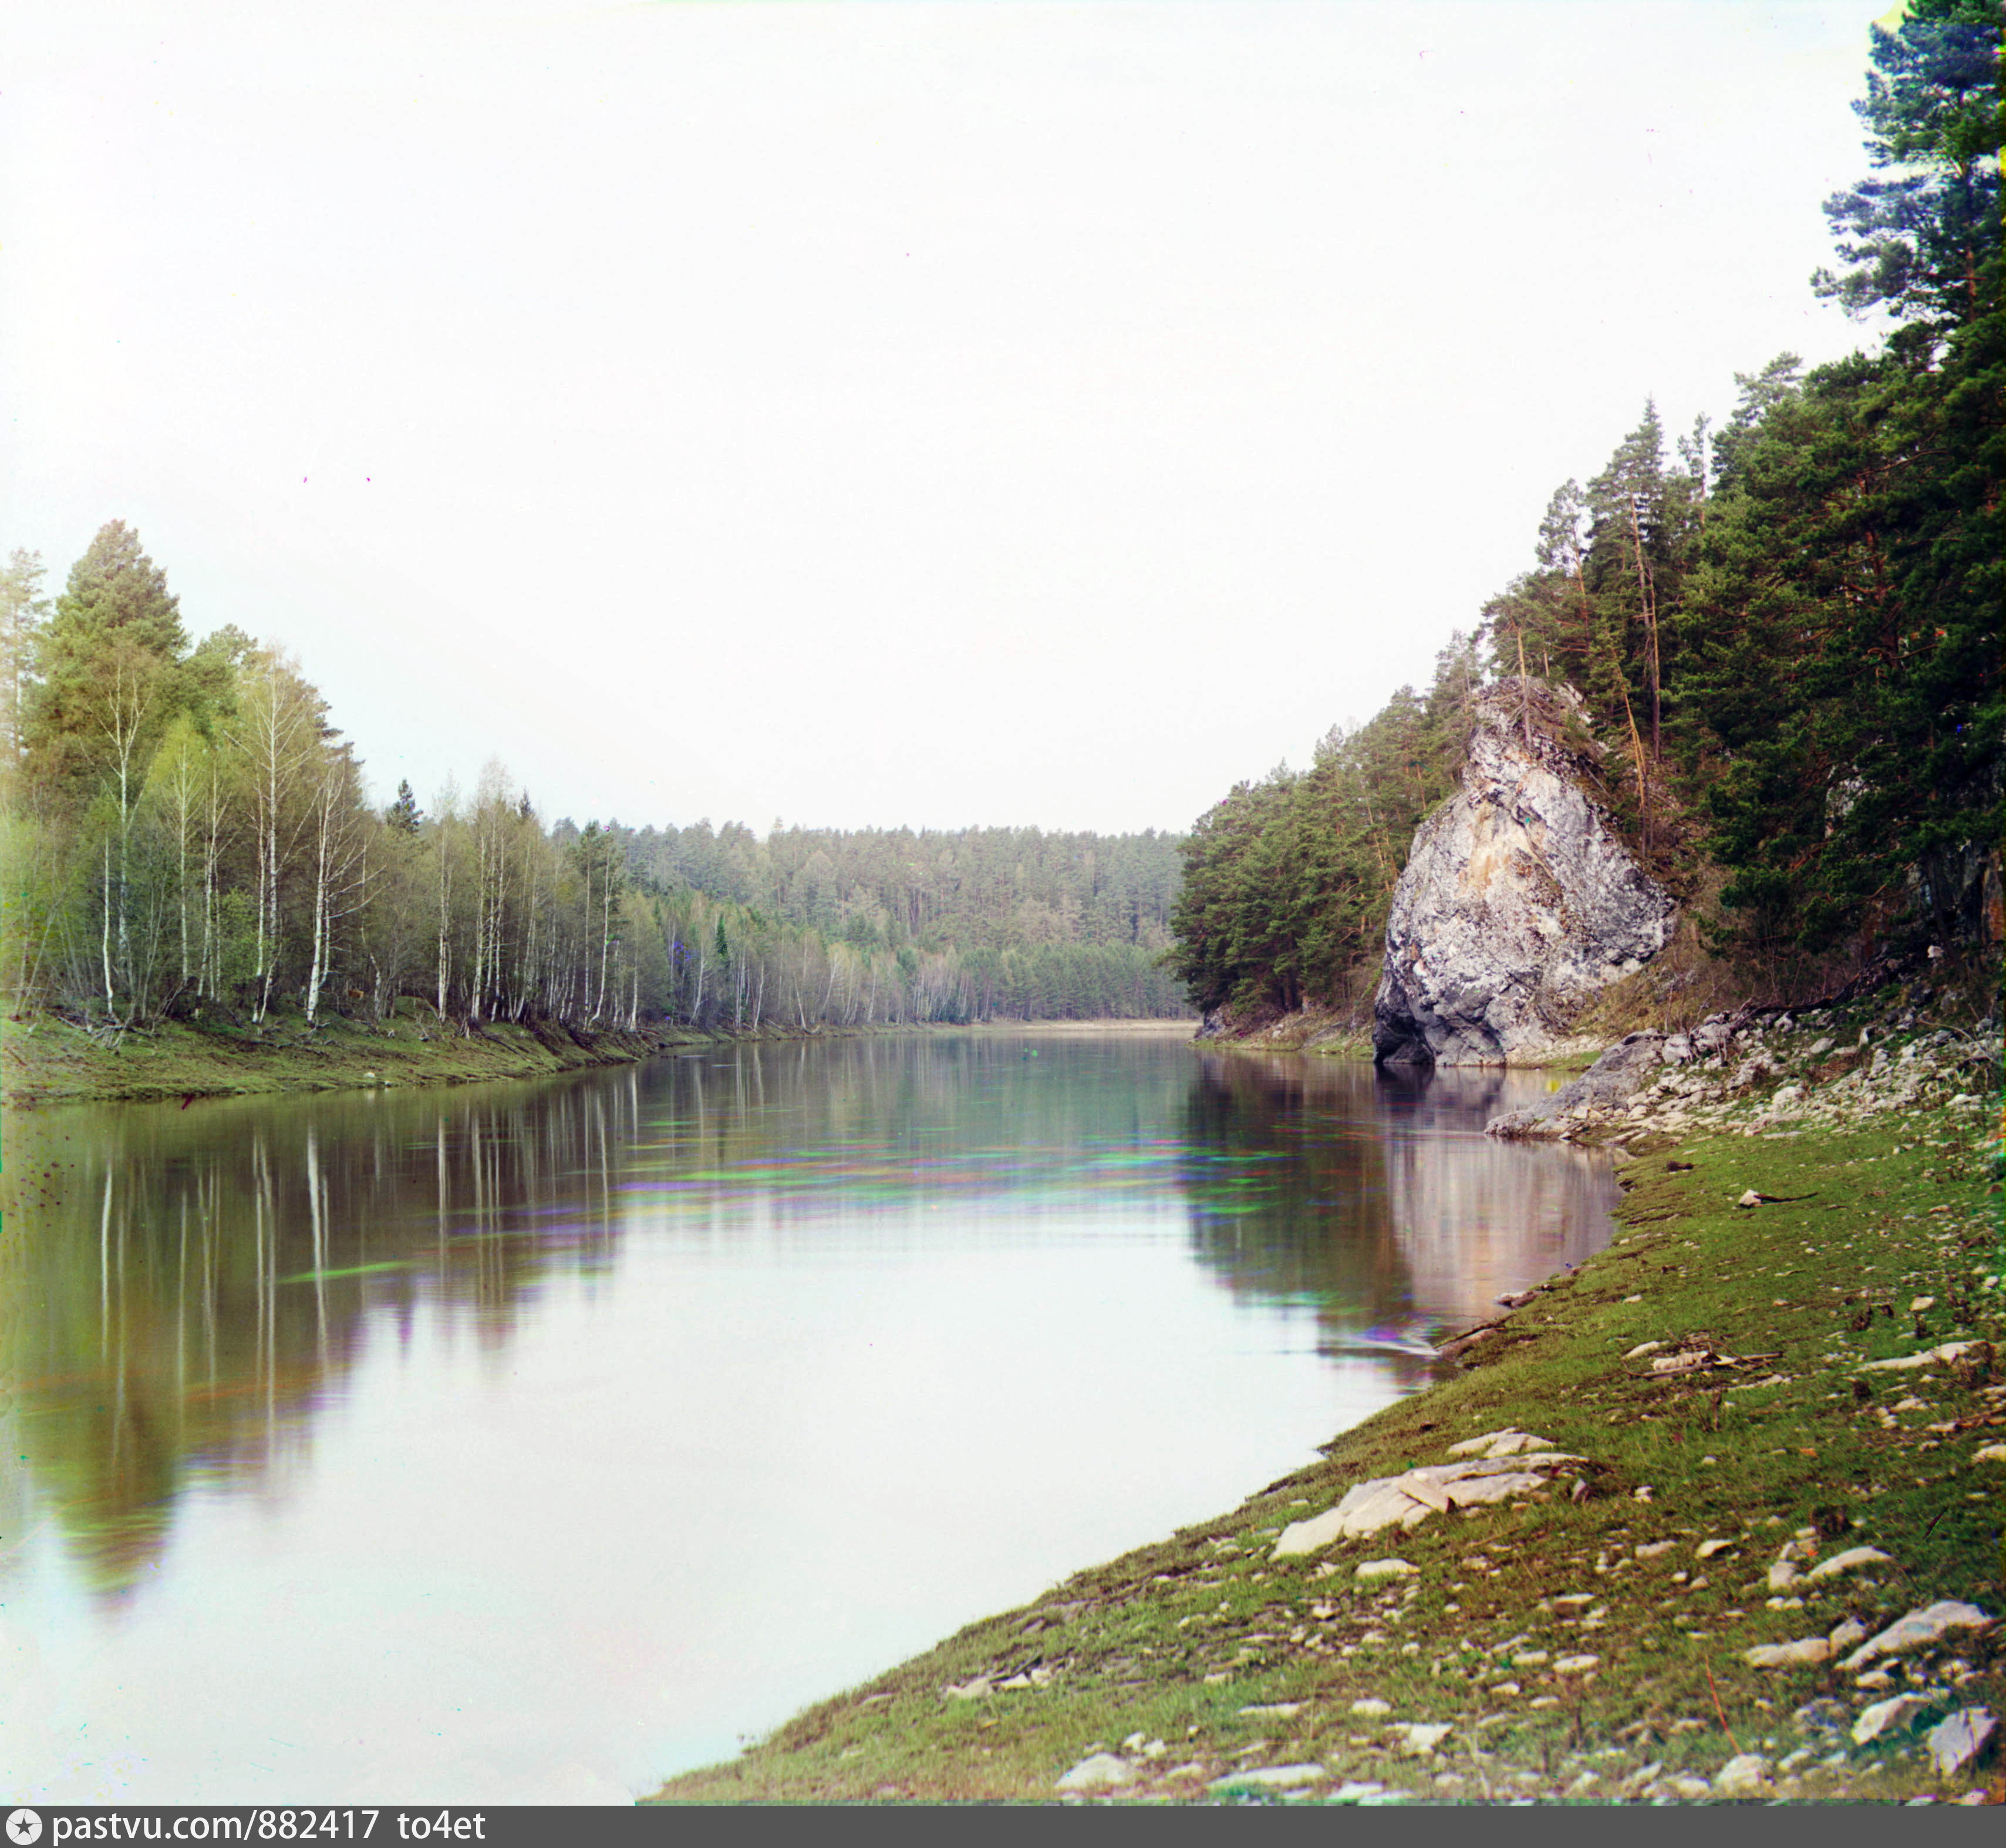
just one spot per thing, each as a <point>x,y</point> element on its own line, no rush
<point>1518,902</point>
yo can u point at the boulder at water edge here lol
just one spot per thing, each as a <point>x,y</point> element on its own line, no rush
<point>1518,902</point>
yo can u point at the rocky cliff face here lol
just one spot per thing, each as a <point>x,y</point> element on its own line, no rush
<point>1517,902</point>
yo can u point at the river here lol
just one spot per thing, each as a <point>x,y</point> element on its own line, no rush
<point>532,1442</point>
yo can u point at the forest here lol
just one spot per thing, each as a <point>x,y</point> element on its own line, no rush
<point>1786,630</point>
<point>188,836</point>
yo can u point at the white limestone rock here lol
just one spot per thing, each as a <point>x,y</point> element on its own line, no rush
<point>1518,903</point>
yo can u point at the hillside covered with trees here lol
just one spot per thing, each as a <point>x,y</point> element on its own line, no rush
<point>188,836</point>
<point>1786,629</point>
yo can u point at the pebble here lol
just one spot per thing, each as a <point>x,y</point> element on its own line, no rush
<point>1423,1740</point>
<point>1371,1708</point>
<point>1576,1665</point>
<point>1706,1549</point>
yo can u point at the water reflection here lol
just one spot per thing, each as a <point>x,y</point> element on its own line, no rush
<point>1375,1196</point>
<point>992,1306</point>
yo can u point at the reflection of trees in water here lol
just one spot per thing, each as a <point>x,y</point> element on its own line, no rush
<point>188,1285</point>
<point>198,1279</point>
<point>1284,1171</point>
<point>1377,1193</point>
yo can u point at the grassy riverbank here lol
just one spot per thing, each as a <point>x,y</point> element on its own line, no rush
<point>1584,1642</point>
<point>47,1061</point>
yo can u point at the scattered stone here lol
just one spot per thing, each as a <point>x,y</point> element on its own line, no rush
<point>1849,1634</point>
<point>1823,1715</point>
<point>1575,1665</point>
<point>1807,1652</point>
<point>1918,1630</point>
<point>1706,1549</point>
<point>1651,1549</point>
<point>1944,1352</point>
<point>1508,1442</point>
<point>1421,1741</point>
<point>1691,1788</point>
<point>975,1689</point>
<point>1886,1716</point>
<point>1506,1687</point>
<point>1961,1741</point>
<point>1750,1199</point>
<point>1918,1304</point>
<point>1370,1570</point>
<point>1102,1771</point>
<point>1850,1561</point>
<point>1747,1775</point>
<point>1688,1360</point>
<point>1783,1575</point>
<point>1278,1709</point>
<point>1271,1777</point>
<point>1371,1708</point>
<point>1643,1348</point>
<point>1409,1499</point>
<point>1990,1453</point>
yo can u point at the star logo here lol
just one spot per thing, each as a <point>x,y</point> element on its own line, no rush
<point>23,1826</point>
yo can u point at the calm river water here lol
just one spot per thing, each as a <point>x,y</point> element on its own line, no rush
<point>531,1442</point>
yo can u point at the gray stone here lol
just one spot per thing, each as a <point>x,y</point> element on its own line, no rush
<point>1103,1771</point>
<point>1747,1775</point>
<point>1518,903</point>
<point>1850,1561</point>
<point>1962,1741</point>
<point>1807,1651</point>
<point>1408,1499</point>
<point>1626,1067</point>
<point>1919,1630</point>
<point>1886,1716</point>
<point>1271,1777</point>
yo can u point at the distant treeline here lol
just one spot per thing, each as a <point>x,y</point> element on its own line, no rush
<point>1788,636</point>
<point>187,834</point>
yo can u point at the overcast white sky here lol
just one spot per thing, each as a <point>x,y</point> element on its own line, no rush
<point>879,413</point>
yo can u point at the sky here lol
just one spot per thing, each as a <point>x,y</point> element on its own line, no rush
<point>880,414</point>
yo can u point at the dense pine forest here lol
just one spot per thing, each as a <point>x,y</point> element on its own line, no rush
<point>189,836</point>
<point>1786,629</point>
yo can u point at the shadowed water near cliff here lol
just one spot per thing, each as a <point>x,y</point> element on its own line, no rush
<point>533,1441</point>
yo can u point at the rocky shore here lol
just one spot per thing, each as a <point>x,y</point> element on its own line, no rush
<point>1767,1074</point>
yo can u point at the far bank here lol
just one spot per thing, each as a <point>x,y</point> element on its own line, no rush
<point>46,1060</point>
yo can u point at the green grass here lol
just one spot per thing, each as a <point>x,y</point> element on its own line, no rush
<point>45,1060</point>
<point>1173,1642</point>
